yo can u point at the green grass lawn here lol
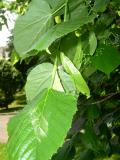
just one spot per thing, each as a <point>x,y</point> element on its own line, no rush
<point>3,152</point>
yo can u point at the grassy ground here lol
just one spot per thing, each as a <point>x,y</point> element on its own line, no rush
<point>3,152</point>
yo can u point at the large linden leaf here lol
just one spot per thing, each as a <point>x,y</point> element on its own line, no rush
<point>37,131</point>
<point>36,30</point>
<point>29,27</point>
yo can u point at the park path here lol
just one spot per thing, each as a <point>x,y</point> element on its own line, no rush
<point>4,119</point>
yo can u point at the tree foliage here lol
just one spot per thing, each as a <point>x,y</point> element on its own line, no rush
<point>78,45</point>
<point>10,81</point>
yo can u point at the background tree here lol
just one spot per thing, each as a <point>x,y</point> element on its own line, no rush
<point>10,81</point>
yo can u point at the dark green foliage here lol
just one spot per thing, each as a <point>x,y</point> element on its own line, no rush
<point>10,81</point>
<point>101,114</point>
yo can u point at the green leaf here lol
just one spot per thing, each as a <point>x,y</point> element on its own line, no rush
<point>71,46</point>
<point>68,45</point>
<point>77,9</point>
<point>14,57</point>
<point>66,81</point>
<point>90,139</point>
<point>57,83</point>
<point>41,126</point>
<point>29,28</point>
<point>55,4</point>
<point>78,54</point>
<point>79,82</point>
<point>106,59</point>
<point>93,112</point>
<point>92,42</point>
<point>38,79</point>
<point>36,30</point>
<point>85,154</point>
<point>100,5</point>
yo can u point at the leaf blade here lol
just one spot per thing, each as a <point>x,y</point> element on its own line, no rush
<point>92,42</point>
<point>79,82</point>
<point>106,58</point>
<point>27,28</point>
<point>38,79</point>
<point>43,126</point>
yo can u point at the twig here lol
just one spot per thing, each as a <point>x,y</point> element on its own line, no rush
<point>104,99</point>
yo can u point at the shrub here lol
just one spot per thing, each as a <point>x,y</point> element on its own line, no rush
<point>10,81</point>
